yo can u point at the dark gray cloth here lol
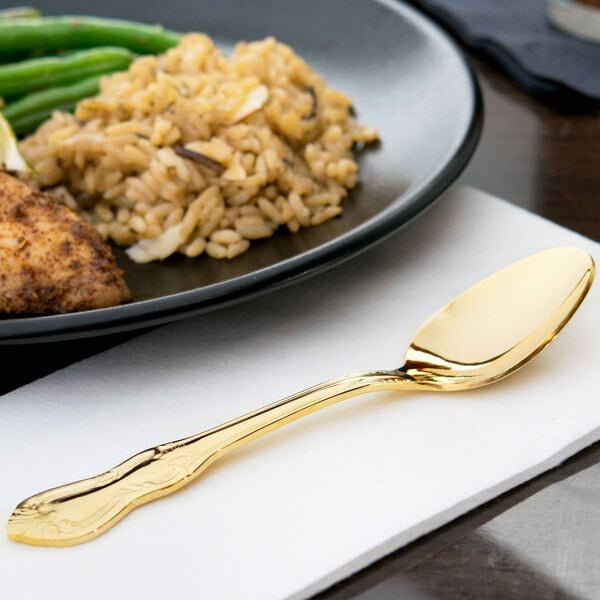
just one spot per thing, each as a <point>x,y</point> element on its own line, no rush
<point>518,36</point>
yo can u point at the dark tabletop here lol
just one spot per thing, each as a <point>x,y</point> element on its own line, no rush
<point>541,540</point>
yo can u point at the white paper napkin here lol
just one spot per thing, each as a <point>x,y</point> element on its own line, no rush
<point>311,503</point>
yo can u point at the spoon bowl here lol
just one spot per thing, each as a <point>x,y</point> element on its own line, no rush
<point>496,326</point>
<point>483,335</point>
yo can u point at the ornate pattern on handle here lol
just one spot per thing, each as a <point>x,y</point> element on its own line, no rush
<point>80,511</point>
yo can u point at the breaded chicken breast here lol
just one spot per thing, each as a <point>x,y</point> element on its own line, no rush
<point>51,260</point>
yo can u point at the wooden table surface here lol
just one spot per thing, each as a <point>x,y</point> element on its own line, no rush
<point>540,541</point>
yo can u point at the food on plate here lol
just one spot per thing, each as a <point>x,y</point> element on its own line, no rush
<point>22,77</point>
<point>52,261</point>
<point>33,88</point>
<point>192,151</point>
<point>26,113</point>
<point>133,134</point>
<point>31,35</point>
<point>50,63</point>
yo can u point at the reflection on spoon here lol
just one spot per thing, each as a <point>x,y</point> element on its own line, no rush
<point>485,334</point>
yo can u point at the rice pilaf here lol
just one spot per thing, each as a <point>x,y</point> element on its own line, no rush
<point>195,152</point>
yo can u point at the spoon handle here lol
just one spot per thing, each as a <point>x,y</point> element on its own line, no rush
<point>80,511</point>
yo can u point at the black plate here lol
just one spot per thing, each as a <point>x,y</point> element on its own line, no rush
<point>406,78</point>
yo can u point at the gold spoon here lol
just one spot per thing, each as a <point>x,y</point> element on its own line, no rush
<point>485,334</point>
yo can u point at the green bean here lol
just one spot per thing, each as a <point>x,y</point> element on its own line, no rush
<point>28,112</point>
<point>20,78</point>
<point>47,35</point>
<point>19,12</point>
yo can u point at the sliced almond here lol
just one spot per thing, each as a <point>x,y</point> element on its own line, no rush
<point>254,101</point>
<point>158,248</point>
<point>235,171</point>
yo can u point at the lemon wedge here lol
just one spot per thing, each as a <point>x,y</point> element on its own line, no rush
<point>11,158</point>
